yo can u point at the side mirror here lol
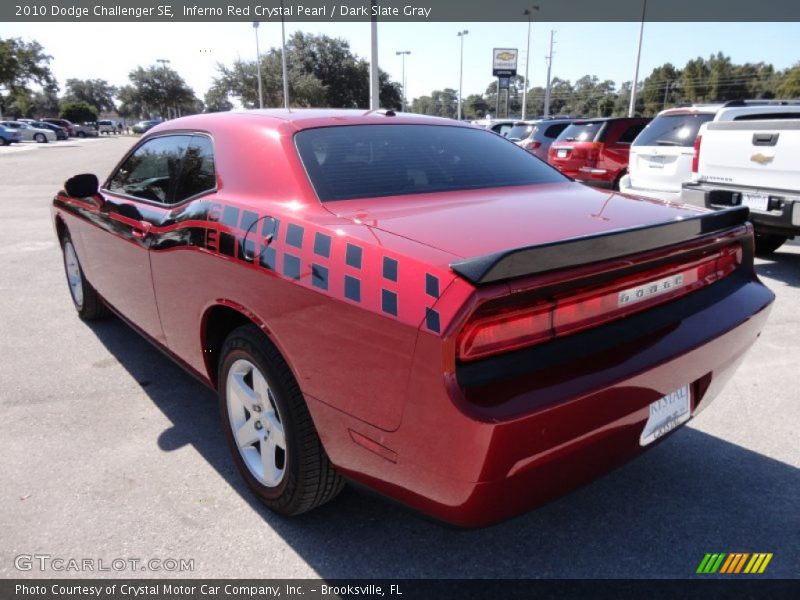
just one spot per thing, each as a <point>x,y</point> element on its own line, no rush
<point>82,186</point>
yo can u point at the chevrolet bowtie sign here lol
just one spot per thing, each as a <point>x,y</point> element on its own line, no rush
<point>504,62</point>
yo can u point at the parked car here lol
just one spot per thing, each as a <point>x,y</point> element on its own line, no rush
<point>8,135</point>
<point>144,126</point>
<point>29,133</point>
<point>61,133</point>
<point>498,126</point>
<point>86,130</point>
<point>412,303</point>
<point>520,131</point>
<point>542,135</point>
<point>595,151</point>
<point>62,123</point>
<point>661,156</point>
<point>108,127</point>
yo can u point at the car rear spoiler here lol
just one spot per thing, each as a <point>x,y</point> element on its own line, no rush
<point>573,252</point>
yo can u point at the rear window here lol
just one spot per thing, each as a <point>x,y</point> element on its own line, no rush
<point>363,161</point>
<point>582,132</point>
<point>555,130</point>
<point>520,132</point>
<point>672,130</point>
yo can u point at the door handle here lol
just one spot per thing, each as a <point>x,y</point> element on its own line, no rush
<point>140,230</point>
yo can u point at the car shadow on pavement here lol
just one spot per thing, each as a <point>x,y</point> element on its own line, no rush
<point>655,517</point>
<point>783,266</point>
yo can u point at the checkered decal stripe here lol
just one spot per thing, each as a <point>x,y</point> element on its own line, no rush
<point>328,264</point>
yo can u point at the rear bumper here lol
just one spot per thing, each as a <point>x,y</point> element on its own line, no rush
<point>782,218</point>
<point>626,187</point>
<point>473,466</point>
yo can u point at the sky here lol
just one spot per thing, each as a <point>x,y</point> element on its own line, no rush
<point>608,50</point>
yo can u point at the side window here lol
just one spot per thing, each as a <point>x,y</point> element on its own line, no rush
<point>630,133</point>
<point>197,173</point>
<point>555,130</point>
<point>151,172</point>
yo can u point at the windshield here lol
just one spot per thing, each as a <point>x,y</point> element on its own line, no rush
<point>672,130</point>
<point>363,161</point>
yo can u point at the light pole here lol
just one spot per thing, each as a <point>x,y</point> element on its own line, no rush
<point>547,88</point>
<point>402,54</point>
<point>283,62</point>
<point>632,107</point>
<point>374,73</point>
<point>461,35</point>
<point>258,68</point>
<point>529,13</point>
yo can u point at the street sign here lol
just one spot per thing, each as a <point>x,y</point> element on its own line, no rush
<point>504,62</point>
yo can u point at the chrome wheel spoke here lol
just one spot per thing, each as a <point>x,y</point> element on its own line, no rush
<point>275,430</point>
<point>247,434</point>
<point>271,473</point>
<point>241,392</point>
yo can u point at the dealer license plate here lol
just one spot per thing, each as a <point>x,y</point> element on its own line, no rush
<point>756,201</point>
<point>665,415</point>
<point>561,153</point>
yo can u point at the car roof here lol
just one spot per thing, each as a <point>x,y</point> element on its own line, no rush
<point>607,120</point>
<point>305,118</point>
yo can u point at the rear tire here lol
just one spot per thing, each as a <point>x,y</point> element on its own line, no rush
<point>81,134</point>
<point>87,301</point>
<point>41,138</point>
<point>767,243</point>
<point>268,427</point>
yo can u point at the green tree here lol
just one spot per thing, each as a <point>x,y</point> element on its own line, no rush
<point>660,88</point>
<point>321,71</point>
<point>96,92</point>
<point>790,83</point>
<point>159,90</point>
<point>45,103</point>
<point>22,64</point>
<point>694,80</point>
<point>78,112</point>
<point>475,107</point>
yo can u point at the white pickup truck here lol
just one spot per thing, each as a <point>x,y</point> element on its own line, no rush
<point>753,163</point>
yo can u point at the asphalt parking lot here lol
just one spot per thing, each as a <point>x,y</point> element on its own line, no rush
<point>111,451</point>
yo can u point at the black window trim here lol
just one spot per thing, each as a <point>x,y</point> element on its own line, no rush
<point>169,206</point>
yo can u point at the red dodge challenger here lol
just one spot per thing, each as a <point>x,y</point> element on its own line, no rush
<point>412,304</point>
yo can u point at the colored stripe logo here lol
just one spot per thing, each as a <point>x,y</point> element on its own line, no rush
<point>734,563</point>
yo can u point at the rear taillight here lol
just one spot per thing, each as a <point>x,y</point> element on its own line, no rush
<point>696,155</point>
<point>504,328</point>
<point>531,145</point>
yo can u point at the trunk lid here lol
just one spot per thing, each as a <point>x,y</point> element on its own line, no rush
<point>480,222</point>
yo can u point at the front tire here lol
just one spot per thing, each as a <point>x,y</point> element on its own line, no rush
<point>269,429</point>
<point>81,134</point>
<point>87,301</point>
<point>767,243</point>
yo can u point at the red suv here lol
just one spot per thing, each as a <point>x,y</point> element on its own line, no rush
<point>595,151</point>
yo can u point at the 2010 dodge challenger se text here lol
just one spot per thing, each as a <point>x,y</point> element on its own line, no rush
<point>413,304</point>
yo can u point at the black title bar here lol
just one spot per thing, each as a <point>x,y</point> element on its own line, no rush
<point>416,11</point>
